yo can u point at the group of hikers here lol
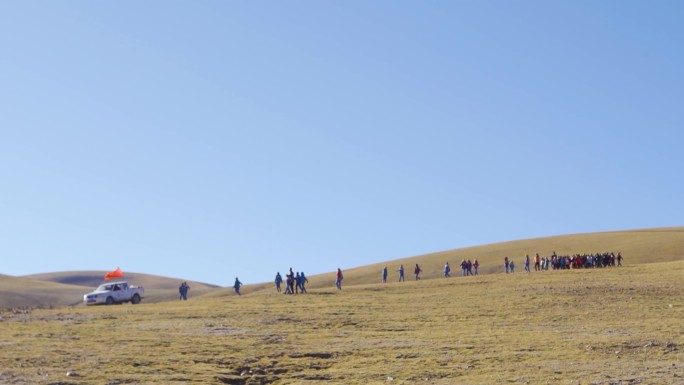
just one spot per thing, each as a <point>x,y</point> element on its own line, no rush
<point>295,282</point>
<point>184,288</point>
<point>183,291</point>
<point>563,262</point>
<point>467,267</point>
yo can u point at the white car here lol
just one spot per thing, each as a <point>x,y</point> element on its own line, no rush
<point>114,292</point>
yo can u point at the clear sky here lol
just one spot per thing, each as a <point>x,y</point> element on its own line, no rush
<point>212,139</point>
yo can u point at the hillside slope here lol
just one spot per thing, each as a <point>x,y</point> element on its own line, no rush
<point>637,246</point>
<point>95,278</point>
<point>67,288</point>
<point>24,292</point>
<point>599,326</point>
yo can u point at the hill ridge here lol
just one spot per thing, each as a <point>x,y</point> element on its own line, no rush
<point>638,246</point>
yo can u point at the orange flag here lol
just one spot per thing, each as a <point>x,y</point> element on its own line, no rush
<point>114,274</point>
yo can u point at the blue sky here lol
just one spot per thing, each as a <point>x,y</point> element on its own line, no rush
<point>208,140</point>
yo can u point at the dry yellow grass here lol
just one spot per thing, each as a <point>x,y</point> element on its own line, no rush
<point>18,292</point>
<point>637,246</point>
<point>599,326</point>
<point>67,288</point>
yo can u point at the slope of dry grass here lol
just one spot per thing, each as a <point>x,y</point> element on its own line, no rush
<point>637,246</point>
<point>67,288</point>
<point>599,326</point>
<point>21,292</point>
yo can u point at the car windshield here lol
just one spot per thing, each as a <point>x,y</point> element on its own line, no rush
<point>105,287</point>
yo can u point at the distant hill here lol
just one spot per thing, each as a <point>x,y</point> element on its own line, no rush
<point>95,278</point>
<point>24,292</point>
<point>67,288</point>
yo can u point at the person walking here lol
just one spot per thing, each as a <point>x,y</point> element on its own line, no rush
<point>384,274</point>
<point>278,281</point>
<point>476,264</point>
<point>527,263</point>
<point>537,262</point>
<point>401,273</point>
<point>338,279</point>
<point>304,281</point>
<point>237,285</point>
<point>289,282</point>
<point>506,264</point>
<point>417,271</point>
<point>447,270</point>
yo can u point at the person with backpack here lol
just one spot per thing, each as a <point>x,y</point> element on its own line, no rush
<point>417,271</point>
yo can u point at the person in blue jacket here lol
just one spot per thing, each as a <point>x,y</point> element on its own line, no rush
<point>278,281</point>
<point>237,285</point>
<point>304,281</point>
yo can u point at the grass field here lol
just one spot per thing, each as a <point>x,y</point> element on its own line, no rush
<point>600,326</point>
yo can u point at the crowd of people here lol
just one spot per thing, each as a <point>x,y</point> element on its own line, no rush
<point>470,268</point>
<point>565,262</point>
<point>295,282</point>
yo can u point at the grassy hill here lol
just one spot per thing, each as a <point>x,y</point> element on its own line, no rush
<point>637,246</point>
<point>24,292</point>
<point>588,326</point>
<point>94,278</point>
<point>67,288</point>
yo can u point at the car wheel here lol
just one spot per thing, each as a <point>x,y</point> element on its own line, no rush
<point>110,301</point>
<point>136,299</point>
